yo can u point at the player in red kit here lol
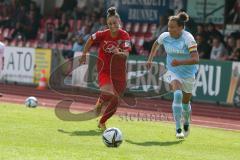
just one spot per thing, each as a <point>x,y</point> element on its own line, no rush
<point>114,47</point>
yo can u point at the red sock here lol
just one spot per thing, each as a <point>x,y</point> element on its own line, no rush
<point>110,110</point>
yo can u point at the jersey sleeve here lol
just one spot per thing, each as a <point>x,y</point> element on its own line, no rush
<point>126,44</point>
<point>191,43</point>
<point>161,37</point>
<point>97,36</point>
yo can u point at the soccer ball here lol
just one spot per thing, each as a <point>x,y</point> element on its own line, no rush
<point>112,137</point>
<point>31,102</point>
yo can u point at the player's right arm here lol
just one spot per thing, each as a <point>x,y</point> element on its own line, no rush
<point>152,54</point>
<point>155,47</point>
<point>95,37</point>
<point>86,48</point>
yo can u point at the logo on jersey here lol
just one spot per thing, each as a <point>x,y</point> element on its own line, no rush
<point>109,46</point>
<point>172,50</point>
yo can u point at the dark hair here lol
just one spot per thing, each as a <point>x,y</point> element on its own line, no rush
<point>181,18</point>
<point>112,11</point>
<point>217,37</point>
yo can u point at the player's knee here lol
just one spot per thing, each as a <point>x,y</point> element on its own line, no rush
<point>186,97</point>
<point>176,85</point>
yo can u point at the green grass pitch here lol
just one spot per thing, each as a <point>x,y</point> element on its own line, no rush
<point>37,134</point>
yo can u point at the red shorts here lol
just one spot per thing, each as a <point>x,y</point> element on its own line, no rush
<point>104,79</point>
<point>119,85</point>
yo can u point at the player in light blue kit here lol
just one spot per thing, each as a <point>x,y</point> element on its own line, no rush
<point>182,57</point>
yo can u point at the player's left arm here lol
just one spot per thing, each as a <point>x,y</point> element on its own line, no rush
<point>194,59</point>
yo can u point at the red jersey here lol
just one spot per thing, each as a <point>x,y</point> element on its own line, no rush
<point>109,64</point>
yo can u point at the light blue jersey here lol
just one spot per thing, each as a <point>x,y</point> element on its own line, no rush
<point>179,49</point>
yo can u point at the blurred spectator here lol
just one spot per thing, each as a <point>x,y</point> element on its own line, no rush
<point>82,3</point>
<point>5,16</point>
<point>61,33</point>
<point>19,32</point>
<point>218,51</point>
<point>203,47</point>
<point>79,13</point>
<point>49,35</point>
<point>235,56</point>
<point>85,31</point>
<point>79,44</point>
<point>20,14</point>
<point>235,34</point>
<point>24,17</point>
<point>93,20</point>
<point>89,6</point>
<point>191,26</point>
<point>32,25</point>
<point>68,5</point>
<point>4,2</point>
<point>33,7</point>
<point>231,44</point>
<point>201,30</point>
<point>213,32</point>
<point>133,50</point>
<point>25,3</point>
<point>99,25</point>
<point>238,43</point>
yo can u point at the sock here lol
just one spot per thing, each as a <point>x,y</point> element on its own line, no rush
<point>186,113</point>
<point>177,108</point>
<point>110,110</point>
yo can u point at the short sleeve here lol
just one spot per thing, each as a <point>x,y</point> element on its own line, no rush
<point>97,36</point>
<point>126,45</point>
<point>191,43</point>
<point>161,37</point>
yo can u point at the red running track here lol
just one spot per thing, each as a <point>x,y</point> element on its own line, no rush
<point>204,114</point>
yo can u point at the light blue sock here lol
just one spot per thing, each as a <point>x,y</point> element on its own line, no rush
<point>177,108</point>
<point>186,113</point>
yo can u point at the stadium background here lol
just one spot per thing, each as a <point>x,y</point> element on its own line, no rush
<point>44,36</point>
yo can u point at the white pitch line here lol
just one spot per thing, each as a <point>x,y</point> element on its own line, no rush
<point>223,123</point>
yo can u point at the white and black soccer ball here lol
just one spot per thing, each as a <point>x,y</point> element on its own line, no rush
<point>112,137</point>
<point>31,102</point>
